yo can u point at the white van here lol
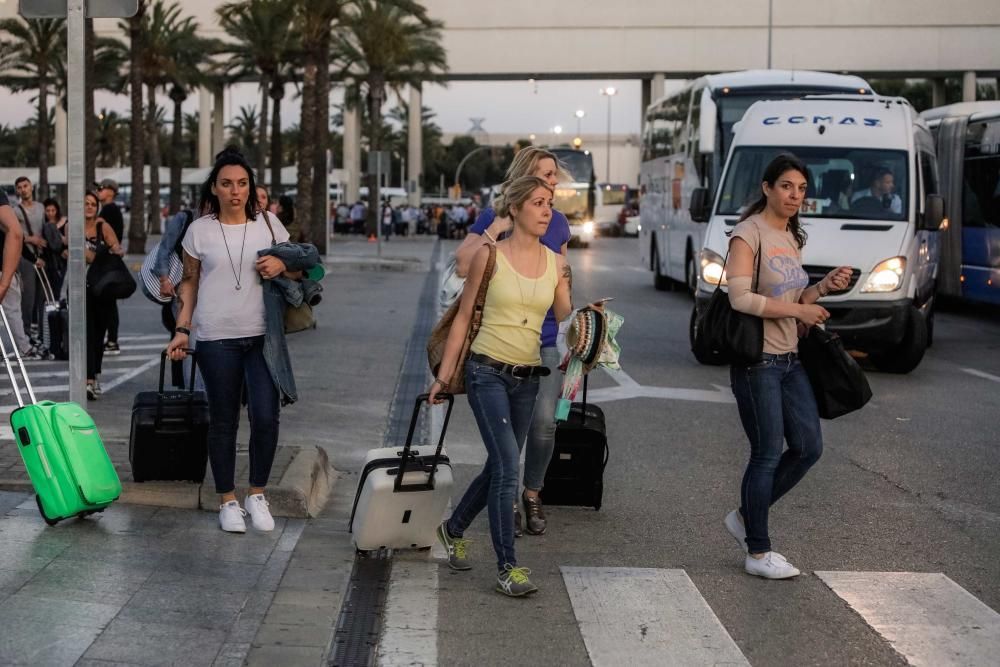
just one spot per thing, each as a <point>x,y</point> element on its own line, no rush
<point>891,240</point>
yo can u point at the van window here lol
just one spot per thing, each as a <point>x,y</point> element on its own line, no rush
<point>928,174</point>
<point>855,183</point>
<point>981,186</point>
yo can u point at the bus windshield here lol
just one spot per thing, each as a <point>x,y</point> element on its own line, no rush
<point>854,183</point>
<point>571,202</point>
<point>579,164</point>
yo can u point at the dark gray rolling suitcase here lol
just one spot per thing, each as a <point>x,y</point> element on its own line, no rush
<point>169,436</point>
<point>575,475</point>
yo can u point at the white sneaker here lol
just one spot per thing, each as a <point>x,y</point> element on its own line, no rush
<point>734,524</point>
<point>231,517</point>
<point>772,566</point>
<point>260,515</point>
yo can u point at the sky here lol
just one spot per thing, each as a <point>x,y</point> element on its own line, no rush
<point>514,107</point>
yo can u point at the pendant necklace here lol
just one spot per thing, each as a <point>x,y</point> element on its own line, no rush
<point>232,265</point>
<point>524,306</point>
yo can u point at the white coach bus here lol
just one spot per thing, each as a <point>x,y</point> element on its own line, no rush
<point>685,144</point>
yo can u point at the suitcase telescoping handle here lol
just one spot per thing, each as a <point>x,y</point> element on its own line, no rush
<point>20,362</point>
<point>429,484</point>
<point>47,293</point>
<point>194,366</point>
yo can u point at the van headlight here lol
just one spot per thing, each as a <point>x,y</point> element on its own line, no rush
<point>887,276</point>
<point>713,269</point>
<point>588,227</point>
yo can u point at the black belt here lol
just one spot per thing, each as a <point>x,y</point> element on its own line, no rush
<point>516,370</point>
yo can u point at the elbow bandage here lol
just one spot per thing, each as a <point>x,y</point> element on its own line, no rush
<point>743,299</point>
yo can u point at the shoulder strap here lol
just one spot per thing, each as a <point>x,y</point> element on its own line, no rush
<point>484,285</point>
<point>756,263</point>
<point>267,219</point>
<point>27,220</point>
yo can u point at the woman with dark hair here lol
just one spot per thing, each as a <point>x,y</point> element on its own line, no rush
<point>775,401</point>
<point>99,238</point>
<point>221,295</point>
<point>54,231</point>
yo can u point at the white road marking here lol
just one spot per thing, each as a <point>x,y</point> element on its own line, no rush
<point>131,374</point>
<point>628,388</point>
<point>409,625</point>
<point>645,616</point>
<point>981,374</point>
<point>927,617</point>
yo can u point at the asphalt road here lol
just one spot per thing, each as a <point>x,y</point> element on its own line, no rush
<point>908,484</point>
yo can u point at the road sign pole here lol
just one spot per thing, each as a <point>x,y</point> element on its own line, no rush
<point>377,204</point>
<point>77,127</point>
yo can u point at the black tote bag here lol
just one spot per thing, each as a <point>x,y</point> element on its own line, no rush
<point>839,384</point>
<point>108,277</point>
<point>726,336</point>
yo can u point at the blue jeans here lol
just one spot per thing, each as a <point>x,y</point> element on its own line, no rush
<point>776,405</point>
<point>502,405</point>
<point>542,436</point>
<point>226,365</point>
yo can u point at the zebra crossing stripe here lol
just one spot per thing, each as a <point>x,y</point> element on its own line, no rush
<point>646,616</point>
<point>927,617</point>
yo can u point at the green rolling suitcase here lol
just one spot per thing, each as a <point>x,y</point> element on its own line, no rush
<point>62,451</point>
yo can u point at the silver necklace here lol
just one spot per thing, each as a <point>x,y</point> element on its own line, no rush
<point>524,306</point>
<point>232,265</point>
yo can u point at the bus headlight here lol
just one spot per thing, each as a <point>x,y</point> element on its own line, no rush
<point>887,276</point>
<point>588,227</point>
<point>712,267</point>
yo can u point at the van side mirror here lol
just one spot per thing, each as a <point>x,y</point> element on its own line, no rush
<point>933,213</point>
<point>699,205</point>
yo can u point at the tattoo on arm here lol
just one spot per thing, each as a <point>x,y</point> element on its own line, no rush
<point>567,274</point>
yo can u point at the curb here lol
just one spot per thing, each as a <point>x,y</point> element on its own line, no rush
<point>302,492</point>
<point>375,264</point>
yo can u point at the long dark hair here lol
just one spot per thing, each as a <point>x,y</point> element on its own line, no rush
<point>230,156</point>
<point>52,202</point>
<point>778,166</point>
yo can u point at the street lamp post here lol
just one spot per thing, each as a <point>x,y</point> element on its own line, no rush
<point>610,91</point>
<point>579,116</point>
<point>557,130</point>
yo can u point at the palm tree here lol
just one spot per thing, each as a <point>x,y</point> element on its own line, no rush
<point>388,46</point>
<point>168,45</point>
<point>243,129</point>
<point>110,139</point>
<point>37,51</point>
<point>264,44</point>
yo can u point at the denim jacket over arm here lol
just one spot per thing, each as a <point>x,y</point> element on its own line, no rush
<point>297,257</point>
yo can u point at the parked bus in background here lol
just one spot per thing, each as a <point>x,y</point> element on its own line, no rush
<point>968,149</point>
<point>609,201</point>
<point>577,198</point>
<point>685,143</point>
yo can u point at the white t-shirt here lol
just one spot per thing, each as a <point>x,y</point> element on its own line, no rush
<point>222,311</point>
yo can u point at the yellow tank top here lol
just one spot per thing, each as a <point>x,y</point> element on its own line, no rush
<point>514,311</point>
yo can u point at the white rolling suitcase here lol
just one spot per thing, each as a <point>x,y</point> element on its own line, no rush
<point>403,492</point>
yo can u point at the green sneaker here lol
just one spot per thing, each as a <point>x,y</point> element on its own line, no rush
<point>513,582</point>
<point>456,548</point>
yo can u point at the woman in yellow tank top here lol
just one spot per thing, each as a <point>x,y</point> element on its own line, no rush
<point>502,373</point>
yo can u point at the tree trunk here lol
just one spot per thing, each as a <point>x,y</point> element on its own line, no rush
<point>90,157</point>
<point>136,228</point>
<point>321,212</point>
<point>176,149</point>
<point>153,225</point>
<point>260,157</point>
<point>375,91</point>
<point>277,93</point>
<point>303,202</point>
<point>44,138</point>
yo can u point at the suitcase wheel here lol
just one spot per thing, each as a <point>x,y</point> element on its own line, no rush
<point>49,521</point>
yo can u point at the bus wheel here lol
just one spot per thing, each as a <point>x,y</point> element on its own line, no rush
<point>691,274</point>
<point>906,356</point>
<point>660,281</point>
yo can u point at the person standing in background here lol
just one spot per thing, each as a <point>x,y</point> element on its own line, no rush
<point>54,232</point>
<point>31,215</point>
<point>111,214</point>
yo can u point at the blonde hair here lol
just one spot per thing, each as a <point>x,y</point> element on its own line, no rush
<point>526,161</point>
<point>515,192</point>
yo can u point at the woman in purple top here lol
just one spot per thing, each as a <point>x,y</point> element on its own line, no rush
<point>531,161</point>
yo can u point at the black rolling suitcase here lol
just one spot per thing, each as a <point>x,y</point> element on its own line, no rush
<point>575,475</point>
<point>169,436</point>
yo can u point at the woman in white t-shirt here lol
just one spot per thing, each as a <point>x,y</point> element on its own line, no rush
<point>222,296</point>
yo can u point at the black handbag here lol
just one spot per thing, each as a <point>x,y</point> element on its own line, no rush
<point>108,277</point>
<point>839,384</point>
<point>726,336</point>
